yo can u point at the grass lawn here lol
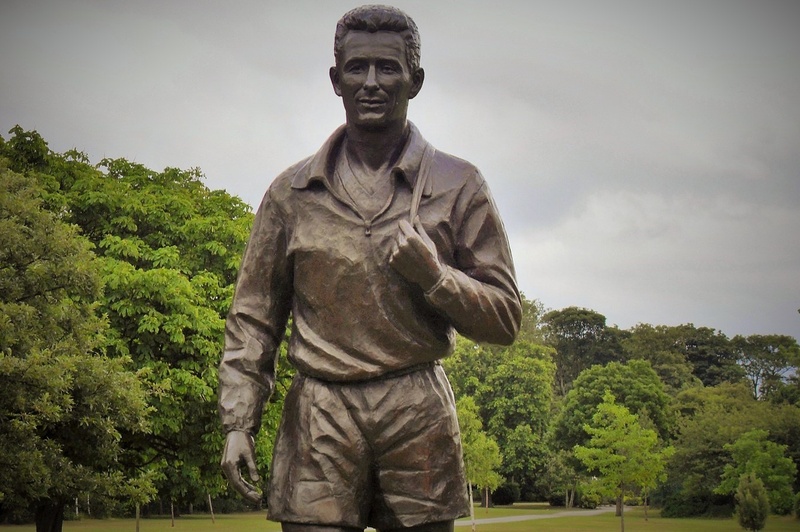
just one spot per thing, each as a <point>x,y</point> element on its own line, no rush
<point>256,522</point>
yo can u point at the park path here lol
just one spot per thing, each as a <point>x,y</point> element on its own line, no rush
<point>529,517</point>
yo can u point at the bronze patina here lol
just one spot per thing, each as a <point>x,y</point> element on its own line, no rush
<point>381,248</point>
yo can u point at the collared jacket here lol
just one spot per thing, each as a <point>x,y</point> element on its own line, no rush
<point>353,317</point>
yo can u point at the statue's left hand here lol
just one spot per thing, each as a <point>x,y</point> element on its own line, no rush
<point>414,256</point>
<point>240,450</point>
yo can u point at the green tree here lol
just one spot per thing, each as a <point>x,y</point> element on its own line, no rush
<point>512,387</point>
<point>65,407</point>
<point>170,250</point>
<point>710,354</point>
<point>711,418</point>
<point>665,348</point>
<point>482,458</point>
<point>768,361</point>
<point>518,390</point>
<point>625,454</point>
<point>752,504</point>
<point>634,385</point>
<point>684,355</point>
<point>581,339</point>
<point>531,328</point>
<point>469,366</point>
<point>753,453</point>
<point>515,399</point>
<point>561,476</point>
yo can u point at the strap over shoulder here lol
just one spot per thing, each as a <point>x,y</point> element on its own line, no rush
<point>422,182</point>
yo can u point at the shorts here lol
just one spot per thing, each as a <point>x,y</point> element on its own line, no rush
<point>384,453</point>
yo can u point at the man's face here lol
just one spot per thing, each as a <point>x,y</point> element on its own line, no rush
<point>374,79</point>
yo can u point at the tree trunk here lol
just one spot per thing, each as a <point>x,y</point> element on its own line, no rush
<point>622,519</point>
<point>172,512</point>
<point>645,506</point>
<point>138,514</point>
<point>211,506</point>
<point>471,507</point>
<point>619,506</point>
<point>50,516</point>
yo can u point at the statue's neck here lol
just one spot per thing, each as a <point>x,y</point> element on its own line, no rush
<point>376,149</point>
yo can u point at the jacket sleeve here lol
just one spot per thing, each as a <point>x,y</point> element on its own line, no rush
<point>478,293</point>
<point>256,322</point>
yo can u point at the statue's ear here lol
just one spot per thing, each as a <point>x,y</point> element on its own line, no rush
<point>334,74</point>
<point>417,79</point>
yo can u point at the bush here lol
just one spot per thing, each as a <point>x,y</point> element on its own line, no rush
<point>590,500</point>
<point>506,494</point>
<point>682,505</point>
<point>781,502</point>
<point>697,504</point>
<point>797,506</point>
<point>633,501</point>
<point>557,499</point>
<point>752,503</point>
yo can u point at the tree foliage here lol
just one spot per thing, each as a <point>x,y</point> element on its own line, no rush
<point>753,453</point>
<point>665,349</point>
<point>768,361</point>
<point>581,339</point>
<point>482,457</point>
<point>752,504</point>
<point>712,418</point>
<point>169,251</point>
<point>634,385</point>
<point>684,355</point>
<point>513,390</point>
<point>626,455</point>
<point>64,406</point>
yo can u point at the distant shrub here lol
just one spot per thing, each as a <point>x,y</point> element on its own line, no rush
<point>590,500</point>
<point>506,494</point>
<point>781,502</point>
<point>752,503</point>
<point>557,499</point>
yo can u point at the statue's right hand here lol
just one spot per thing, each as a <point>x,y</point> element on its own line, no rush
<point>240,450</point>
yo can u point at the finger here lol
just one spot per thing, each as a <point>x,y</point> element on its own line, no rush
<point>245,489</point>
<point>420,229</point>
<point>406,229</point>
<point>230,469</point>
<point>251,467</point>
<point>410,237</point>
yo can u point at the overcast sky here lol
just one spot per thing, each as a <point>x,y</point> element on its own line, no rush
<point>645,156</point>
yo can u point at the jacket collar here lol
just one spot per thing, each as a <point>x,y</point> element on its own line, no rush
<point>319,167</point>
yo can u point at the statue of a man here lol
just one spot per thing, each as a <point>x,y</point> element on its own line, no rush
<point>381,248</point>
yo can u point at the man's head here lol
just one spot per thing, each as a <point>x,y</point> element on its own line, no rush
<point>374,18</point>
<point>377,66</point>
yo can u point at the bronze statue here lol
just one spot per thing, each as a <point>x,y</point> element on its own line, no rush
<point>381,248</point>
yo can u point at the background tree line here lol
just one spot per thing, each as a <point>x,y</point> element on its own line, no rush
<point>114,283</point>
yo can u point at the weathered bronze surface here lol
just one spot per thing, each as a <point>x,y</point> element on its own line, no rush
<point>381,248</point>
